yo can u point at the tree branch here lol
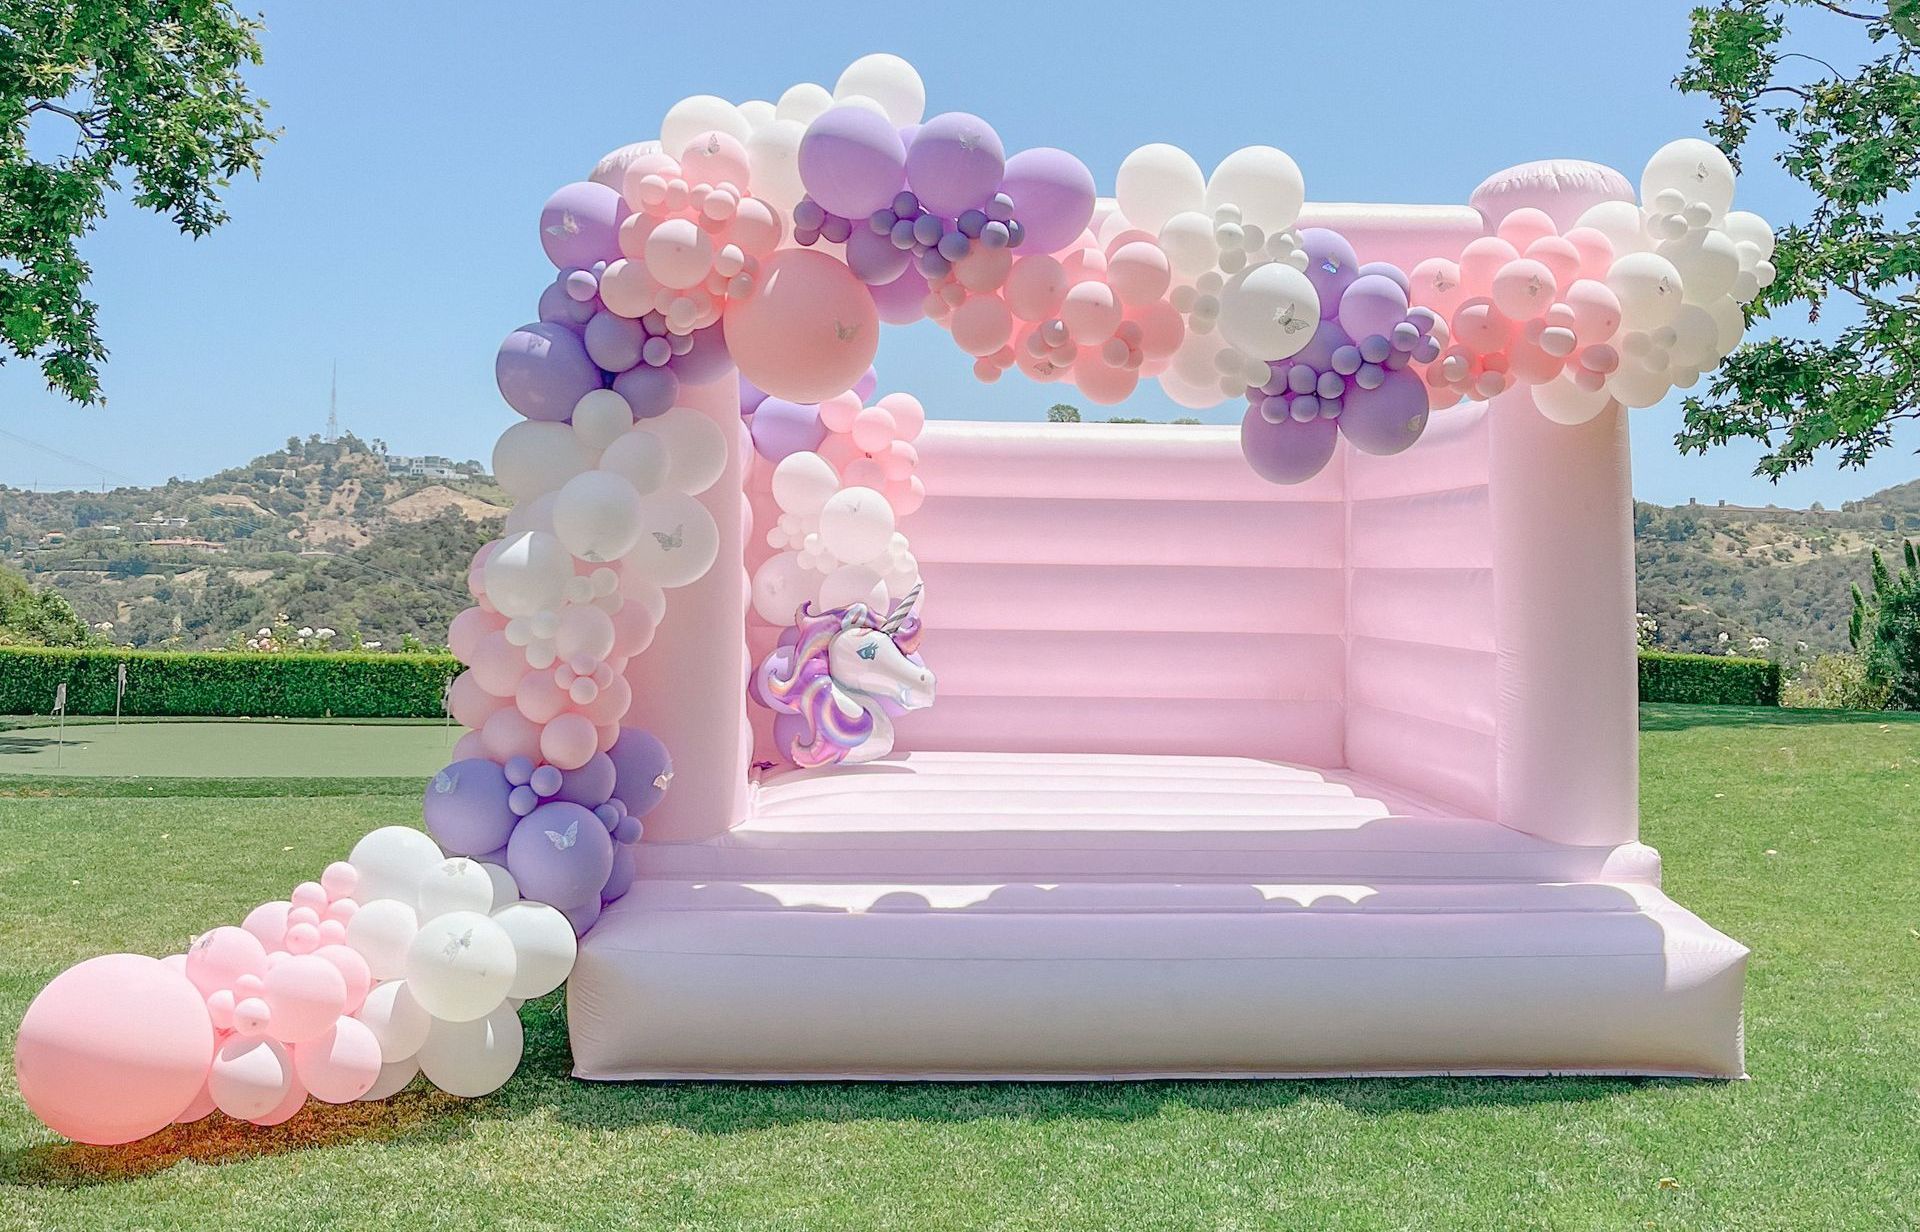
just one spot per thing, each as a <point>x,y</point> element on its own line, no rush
<point>86,120</point>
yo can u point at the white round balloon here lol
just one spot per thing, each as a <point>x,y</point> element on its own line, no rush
<point>1696,169</point>
<point>599,418</point>
<point>390,862</point>
<point>690,118</point>
<point>1156,182</point>
<point>381,932</point>
<point>781,586</point>
<point>1564,402</point>
<point>1621,222</point>
<point>1269,311</point>
<point>1638,387</point>
<point>535,514</point>
<point>458,884</point>
<point>696,449</point>
<point>505,889</point>
<point>758,113</point>
<point>802,104</point>
<point>475,1058</point>
<point>773,163</point>
<point>639,457</point>
<point>250,1077</point>
<point>1743,226</point>
<point>1707,261</point>
<point>889,81</point>
<point>678,540</point>
<point>394,1077</point>
<point>536,456</point>
<point>1187,239</point>
<point>460,966</point>
<point>597,516</point>
<point>802,482</point>
<point>527,573</point>
<point>856,524</point>
<point>398,1021</point>
<point>1649,289</point>
<point>543,947</point>
<point>1264,182</point>
<point>851,584</point>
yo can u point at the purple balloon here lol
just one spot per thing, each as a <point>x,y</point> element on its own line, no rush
<point>620,880</point>
<point>781,427</point>
<point>864,387</point>
<point>591,785</point>
<point>562,309</point>
<point>560,854</point>
<point>751,396</point>
<point>789,729</point>
<point>902,301</point>
<point>852,161</point>
<point>1052,195</point>
<point>543,369</point>
<point>614,341</point>
<point>1387,418</point>
<point>1388,269</point>
<point>706,360</point>
<point>1331,266</point>
<point>583,916</point>
<point>873,258</point>
<point>1372,304</point>
<point>466,807</point>
<point>580,224</point>
<point>642,770</point>
<point>955,163</point>
<point>648,391</point>
<point>1327,338</point>
<point>1288,451</point>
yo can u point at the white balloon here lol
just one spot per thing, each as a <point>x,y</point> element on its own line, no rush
<point>471,1059</point>
<point>380,932</point>
<point>527,573</point>
<point>390,862</point>
<point>597,516</point>
<point>1695,335</point>
<point>889,81</point>
<point>393,1079</point>
<point>802,482</point>
<point>856,524</point>
<point>544,948</point>
<point>802,104</point>
<point>1707,261</point>
<point>1649,289</point>
<point>535,456</point>
<point>599,418</point>
<point>773,163</point>
<point>1636,386</point>
<point>853,584</point>
<point>250,1077</point>
<point>536,514</point>
<point>1696,169</point>
<point>1187,239</point>
<point>460,966</point>
<point>398,1022</point>
<point>696,449</point>
<point>1564,402</point>
<point>1743,226</point>
<point>458,884</point>
<point>678,540</point>
<point>758,113</point>
<point>1264,182</point>
<point>505,889</point>
<point>639,457</point>
<point>1621,222</point>
<point>1729,324</point>
<point>1156,182</point>
<point>611,170</point>
<point>1269,311</point>
<point>691,118</point>
<point>780,586</point>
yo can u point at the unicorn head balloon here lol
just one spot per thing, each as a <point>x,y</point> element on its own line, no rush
<point>847,674</point>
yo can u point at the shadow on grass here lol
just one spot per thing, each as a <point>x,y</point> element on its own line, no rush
<point>35,744</point>
<point>1666,716</point>
<point>544,1089</point>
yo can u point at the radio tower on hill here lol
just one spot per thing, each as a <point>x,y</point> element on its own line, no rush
<point>333,405</point>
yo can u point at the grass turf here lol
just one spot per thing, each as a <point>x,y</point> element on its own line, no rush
<point>1798,833</point>
<point>231,749</point>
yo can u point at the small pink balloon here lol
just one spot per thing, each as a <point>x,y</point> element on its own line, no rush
<point>909,417</point>
<point>222,956</point>
<point>757,227</point>
<point>310,894</point>
<point>474,569</point>
<point>510,734</point>
<point>1139,272</point>
<point>839,412</point>
<point>341,909</point>
<point>466,630</point>
<point>1481,260</point>
<point>1162,329</point>
<point>332,932</point>
<point>899,460</point>
<point>1595,249</point>
<point>862,472</point>
<point>633,628</point>
<point>471,705</point>
<point>1103,383</point>
<point>838,450</point>
<point>1557,254</point>
<point>1091,312</point>
<point>303,938</point>
<point>981,325</point>
<point>605,737</point>
<point>984,270</point>
<point>220,1005</point>
<point>904,495</point>
<point>1480,327</point>
<point>1036,287</point>
<point>873,428</point>
<point>715,157</point>
<point>340,880</point>
<point>251,1016</point>
<point>569,741</point>
<point>341,1065</point>
<point>302,915</point>
<point>1600,357</point>
<point>468,747</point>
<point>497,665</point>
<point>1596,311</point>
<point>268,923</point>
<point>1523,226</point>
<point>679,253</point>
<point>539,698</point>
<point>1524,289</point>
<point>612,704</point>
<point>304,995</point>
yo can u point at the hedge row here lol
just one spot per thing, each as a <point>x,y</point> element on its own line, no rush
<point>227,684</point>
<point>1714,680</point>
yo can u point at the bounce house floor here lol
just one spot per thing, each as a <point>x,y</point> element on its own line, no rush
<point>1062,916</point>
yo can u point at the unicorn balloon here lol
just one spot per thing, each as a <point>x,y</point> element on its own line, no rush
<point>846,674</point>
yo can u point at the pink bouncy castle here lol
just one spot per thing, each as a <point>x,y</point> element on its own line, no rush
<point>1225,777</point>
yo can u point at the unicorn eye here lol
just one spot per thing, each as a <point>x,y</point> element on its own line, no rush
<point>868,651</point>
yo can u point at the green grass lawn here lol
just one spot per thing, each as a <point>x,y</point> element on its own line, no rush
<point>1798,833</point>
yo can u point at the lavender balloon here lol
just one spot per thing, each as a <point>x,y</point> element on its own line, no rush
<point>904,300</point>
<point>643,770</point>
<point>1289,451</point>
<point>1388,417</point>
<point>1331,266</point>
<point>580,224</point>
<point>560,854</point>
<point>1052,195</point>
<point>613,341</point>
<point>465,806</point>
<point>781,428</point>
<point>852,161</point>
<point>562,309</point>
<point>620,880</point>
<point>1388,269</point>
<point>864,387</point>
<point>649,391</point>
<point>707,359</point>
<point>591,785</point>
<point>873,258</point>
<point>1372,305</point>
<point>955,163</point>
<point>751,396</point>
<point>543,369</point>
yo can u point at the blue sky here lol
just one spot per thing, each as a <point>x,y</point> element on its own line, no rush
<point>394,228</point>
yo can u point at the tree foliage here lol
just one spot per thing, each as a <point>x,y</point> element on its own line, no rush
<point>1885,629</point>
<point>147,91</point>
<point>1851,136</point>
<point>36,615</point>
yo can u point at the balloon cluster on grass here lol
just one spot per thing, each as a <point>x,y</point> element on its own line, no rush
<point>398,961</point>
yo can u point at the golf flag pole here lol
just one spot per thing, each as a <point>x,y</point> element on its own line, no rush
<point>60,712</point>
<point>119,693</point>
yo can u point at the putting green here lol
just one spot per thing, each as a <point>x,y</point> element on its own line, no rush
<point>240,749</point>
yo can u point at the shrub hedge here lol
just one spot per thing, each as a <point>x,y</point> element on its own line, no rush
<point>227,684</point>
<point>1714,680</point>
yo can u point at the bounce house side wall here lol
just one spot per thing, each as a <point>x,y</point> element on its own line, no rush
<point>689,687</point>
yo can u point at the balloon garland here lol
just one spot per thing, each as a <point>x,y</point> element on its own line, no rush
<point>771,239</point>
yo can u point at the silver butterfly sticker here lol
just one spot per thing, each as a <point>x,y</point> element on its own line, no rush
<point>662,780</point>
<point>1289,320</point>
<point>669,540</point>
<point>568,224</point>
<point>562,841</point>
<point>456,944</point>
<point>845,333</point>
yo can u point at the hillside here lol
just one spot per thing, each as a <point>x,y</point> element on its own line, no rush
<point>325,534</point>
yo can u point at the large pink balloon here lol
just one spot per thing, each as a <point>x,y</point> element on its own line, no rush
<point>113,1049</point>
<point>808,331</point>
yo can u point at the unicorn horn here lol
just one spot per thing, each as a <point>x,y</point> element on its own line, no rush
<point>901,610</point>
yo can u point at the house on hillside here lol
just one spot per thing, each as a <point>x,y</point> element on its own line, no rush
<point>425,466</point>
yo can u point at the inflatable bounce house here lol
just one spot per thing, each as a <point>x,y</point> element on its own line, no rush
<point>853,745</point>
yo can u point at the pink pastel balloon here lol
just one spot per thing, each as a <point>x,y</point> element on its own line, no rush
<point>497,665</point>
<point>653,162</point>
<point>1161,328</point>
<point>873,429</point>
<point>113,1049</point>
<point>633,628</point>
<point>268,922</point>
<point>715,157</point>
<point>341,1065</point>
<point>352,968</point>
<point>471,705</point>
<point>1524,289</point>
<point>862,473</point>
<point>468,746</point>
<point>583,631</point>
<point>474,569</point>
<point>1091,312</point>
<point>251,1016</point>
<point>510,734</point>
<point>838,413</point>
<point>1596,311</point>
<point>1524,226</point>
<point>984,269</point>
<point>199,1110</point>
<point>606,737</point>
<point>1480,327</point>
<point>250,1077</point>
<point>219,958</point>
<point>539,698</point>
<point>304,994</point>
<point>289,1107</point>
<point>341,909</point>
<point>757,227</point>
<point>1595,249</point>
<point>808,331</point>
<point>340,879</point>
<point>1557,254</point>
<point>466,630</point>
<point>982,325</point>
<point>838,450</point>
<point>1436,284</point>
<point>1600,357</point>
<point>1531,365</point>
<point>904,495</point>
<point>909,417</point>
<point>614,700</point>
<point>679,253</point>
<point>1139,272</point>
<point>1104,383</point>
<point>1036,287</point>
<point>569,741</point>
<point>331,932</point>
<point>899,460</point>
<point>1481,260</point>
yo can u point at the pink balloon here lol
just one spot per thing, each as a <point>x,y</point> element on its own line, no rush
<point>679,253</point>
<point>839,412</point>
<point>873,429</point>
<point>268,922</point>
<point>1091,311</point>
<point>352,967</point>
<point>904,495</point>
<point>863,472</point>
<point>808,331</point>
<point>757,227</point>
<point>612,704</point>
<point>1139,272</point>
<point>289,1107</point>
<point>539,698</point>
<point>1036,288</point>
<point>339,1066</point>
<point>899,460</point>
<point>569,741</point>
<point>479,562</point>
<point>633,627</point>
<point>583,631</point>
<point>838,450</point>
<point>251,1077</point>
<point>113,1049</point>
<point>199,1110</point>
<point>468,746</point>
<point>471,705</point>
<point>1436,284</point>
<point>340,879</point>
<point>1557,254</point>
<point>466,630</point>
<point>1525,225</point>
<point>908,415</point>
<point>1103,383</point>
<point>510,734</point>
<point>1524,289</point>
<point>304,994</point>
<point>715,157</point>
<point>1531,365</point>
<point>497,665</point>
<point>1595,249</point>
<point>1596,311</point>
<point>605,737</point>
<point>984,269</point>
<point>219,958</point>
<point>902,301</point>
<point>1481,260</point>
<point>1480,327</point>
<point>980,327</point>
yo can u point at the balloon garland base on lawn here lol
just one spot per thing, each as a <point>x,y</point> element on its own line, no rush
<point>766,242</point>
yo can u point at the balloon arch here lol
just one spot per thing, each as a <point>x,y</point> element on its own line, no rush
<point>773,239</point>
